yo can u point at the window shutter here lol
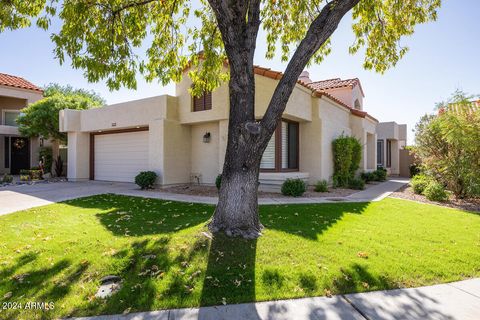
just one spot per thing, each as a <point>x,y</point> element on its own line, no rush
<point>207,101</point>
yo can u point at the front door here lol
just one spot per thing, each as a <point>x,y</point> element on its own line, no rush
<point>20,154</point>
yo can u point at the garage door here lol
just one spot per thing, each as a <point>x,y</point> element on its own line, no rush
<point>120,156</point>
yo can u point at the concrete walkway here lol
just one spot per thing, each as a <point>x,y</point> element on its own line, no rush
<point>458,300</point>
<point>21,197</point>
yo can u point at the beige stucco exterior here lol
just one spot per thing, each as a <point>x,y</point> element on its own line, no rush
<point>178,153</point>
<point>395,135</point>
<point>13,100</point>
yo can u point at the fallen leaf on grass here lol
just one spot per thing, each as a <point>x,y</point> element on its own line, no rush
<point>362,254</point>
<point>127,311</point>
<point>328,293</point>
<point>365,285</point>
<point>224,301</point>
<point>7,295</point>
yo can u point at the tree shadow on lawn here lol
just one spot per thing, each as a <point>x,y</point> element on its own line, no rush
<point>229,276</point>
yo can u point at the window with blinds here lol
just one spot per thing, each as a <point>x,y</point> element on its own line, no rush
<point>282,155</point>
<point>203,102</point>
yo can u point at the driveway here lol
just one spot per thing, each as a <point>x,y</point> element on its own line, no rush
<point>21,197</point>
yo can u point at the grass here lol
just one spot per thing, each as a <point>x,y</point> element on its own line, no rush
<point>59,252</point>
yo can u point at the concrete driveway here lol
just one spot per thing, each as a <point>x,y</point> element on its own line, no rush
<point>21,197</point>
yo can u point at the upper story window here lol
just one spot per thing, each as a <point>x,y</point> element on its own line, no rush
<point>357,105</point>
<point>204,102</point>
<point>281,153</point>
<point>10,118</point>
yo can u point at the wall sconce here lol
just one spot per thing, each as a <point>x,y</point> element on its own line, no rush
<point>206,137</point>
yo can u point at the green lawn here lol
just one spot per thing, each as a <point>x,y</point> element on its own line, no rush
<point>59,252</point>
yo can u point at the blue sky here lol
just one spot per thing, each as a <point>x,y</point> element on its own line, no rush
<point>443,56</point>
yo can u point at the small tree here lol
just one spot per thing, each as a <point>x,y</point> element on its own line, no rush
<point>347,153</point>
<point>41,118</point>
<point>448,145</point>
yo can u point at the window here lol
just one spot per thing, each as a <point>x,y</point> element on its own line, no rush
<point>10,117</point>
<point>203,102</point>
<point>389,153</point>
<point>380,153</point>
<point>281,153</point>
<point>357,105</point>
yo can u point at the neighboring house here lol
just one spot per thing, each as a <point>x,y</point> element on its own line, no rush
<point>391,139</point>
<point>16,152</point>
<point>183,139</point>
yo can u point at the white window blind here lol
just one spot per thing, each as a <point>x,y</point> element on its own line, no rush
<point>284,145</point>
<point>268,158</point>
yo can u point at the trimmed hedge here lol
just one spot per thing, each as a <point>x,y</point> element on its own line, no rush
<point>347,152</point>
<point>294,187</point>
<point>146,179</point>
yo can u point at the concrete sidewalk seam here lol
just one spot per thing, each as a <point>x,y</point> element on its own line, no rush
<point>474,295</point>
<point>355,307</point>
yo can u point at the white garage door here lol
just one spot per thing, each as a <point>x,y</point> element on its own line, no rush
<point>120,156</point>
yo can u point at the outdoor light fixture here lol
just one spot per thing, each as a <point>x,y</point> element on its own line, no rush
<point>206,137</point>
<point>41,141</point>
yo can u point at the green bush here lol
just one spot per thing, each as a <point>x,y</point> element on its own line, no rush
<point>218,181</point>
<point>7,178</point>
<point>434,191</point>
<point>294,187</point>
<point>356,184</point>
<point>419,183</point>
<point>146,179</point>
<point>321,186</point>
<point>380,174</point>
<point>368,176</point>
<point>46,155</point>
<point>35,174</point>
<point>347,152</point>
<point>414,170</point>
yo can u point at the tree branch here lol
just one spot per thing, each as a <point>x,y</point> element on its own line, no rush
<point>320,30</point>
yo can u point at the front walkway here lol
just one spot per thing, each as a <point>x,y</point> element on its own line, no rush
<point>457,300</point>
<point>21,197</point>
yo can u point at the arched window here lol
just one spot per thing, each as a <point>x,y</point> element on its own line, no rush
<point>357,105</point>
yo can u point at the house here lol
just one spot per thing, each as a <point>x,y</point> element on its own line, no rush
<point>16,152</point>
<point>391,140</point>
<point>183,139</point>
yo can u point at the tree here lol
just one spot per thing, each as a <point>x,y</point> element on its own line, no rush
<point>448,145</point>
<point>41,118</point>
<point>106,38</point>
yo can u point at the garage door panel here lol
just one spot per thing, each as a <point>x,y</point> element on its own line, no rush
<point>120,156</point>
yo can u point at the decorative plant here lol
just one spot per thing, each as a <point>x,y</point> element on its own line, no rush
<point>347,152</point>
<point>321,186</point>
<point>146,179</point>
<point>46,156</point>
<point>294,187</point>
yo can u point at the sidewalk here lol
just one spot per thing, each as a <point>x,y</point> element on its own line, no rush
<point>457,300</point>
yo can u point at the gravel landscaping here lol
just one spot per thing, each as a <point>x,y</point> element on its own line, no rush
<point>406,192</point>
<point>211,191</point>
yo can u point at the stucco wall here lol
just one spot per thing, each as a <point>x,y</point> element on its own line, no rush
<point>28,95</point>
<point>348,95</point>
<point>334,121</point>
<point>205,156</point>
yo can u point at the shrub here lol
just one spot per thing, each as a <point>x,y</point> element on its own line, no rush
<point>35,174</point>
<point>218,181</point>
<point>347,152</point>
<point>419,183</point>
<point>380,174</point>
<point>368,176</point>
<point>414,170</point>
<point>24,177</point>
<point>7,178</point>
<point>293,187</point>
<point>46,155</point>
<point>146,179</point>
<point>356,184</point>
<point>434,191</point>
<point>321,186</point>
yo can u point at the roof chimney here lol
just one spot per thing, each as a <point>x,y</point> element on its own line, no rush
<point>305,77</point>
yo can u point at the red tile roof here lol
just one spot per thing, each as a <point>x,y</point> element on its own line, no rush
<point>317,92</point>
<point>17,82</point>
<point>336,83</point>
